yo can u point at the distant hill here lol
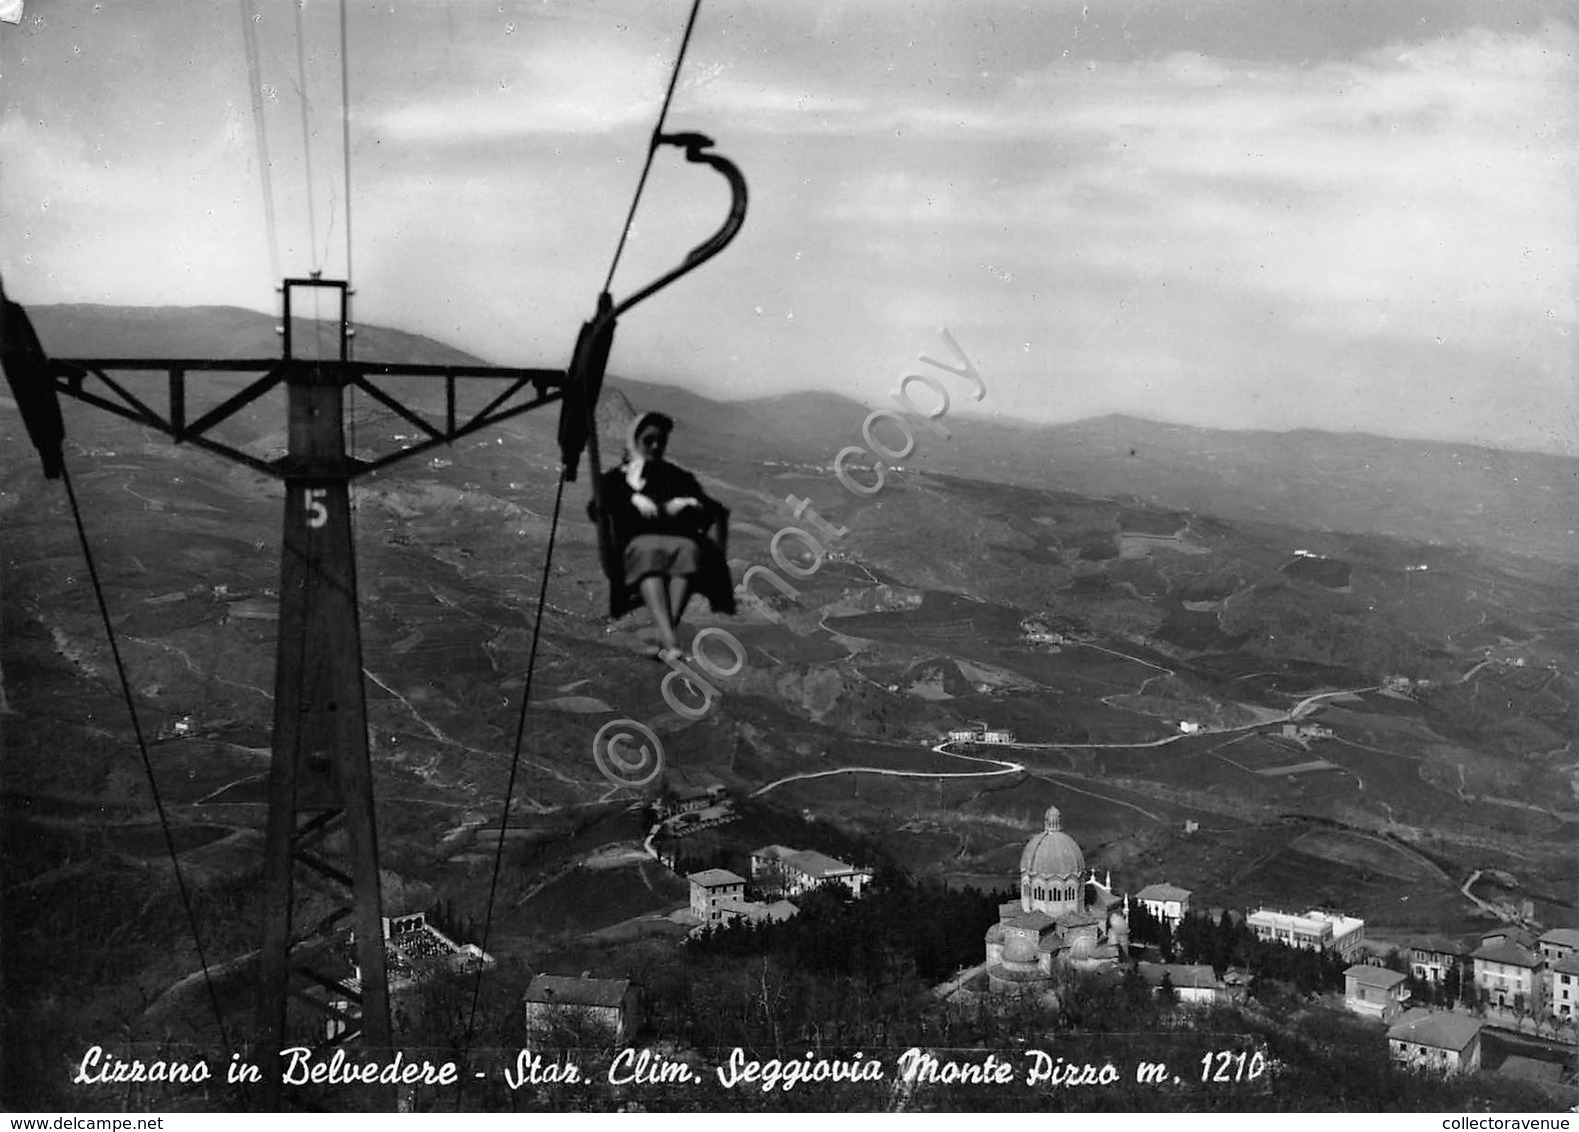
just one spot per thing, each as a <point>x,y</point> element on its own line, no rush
<point>1091,587</point>
<point>89,330</point>
<point>1446,494</point>
<point>1522,502</point>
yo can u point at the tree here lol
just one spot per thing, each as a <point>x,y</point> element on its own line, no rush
<point>1137,994</point>
<point>1168,992</point>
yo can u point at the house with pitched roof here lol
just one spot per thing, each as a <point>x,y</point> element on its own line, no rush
<point>710,888</point>
<point>1431,958</point>
<point>1559,943</point>
<point>1438,1040</point>
<point>580,1008</point>
<point>1194,983</point>
<point>1375,992</point>
<point>751,911</point>
<point>794,871</point>
<point>1562,987</point>
<point>1508,970</point>
<point>1166,901</point>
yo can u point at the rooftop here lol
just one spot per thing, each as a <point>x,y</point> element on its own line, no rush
<point>1441,1029</point>
<point>819,865</point>
<point>1439,944</point>
<point>1509,953</point>
<point>715,878</point>
<point>1508,932</point>
<point>1562,937</point>
<point>1028,921</point>
<point>1369,976</point>
<point>567,990</point>
<point>1164,891</point>
<point>1192,975</point>
<point>808,861</point>
<point>1531,1069</point>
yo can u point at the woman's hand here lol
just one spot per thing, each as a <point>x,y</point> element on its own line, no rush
<point>675,506</point>
<point>646,506</point>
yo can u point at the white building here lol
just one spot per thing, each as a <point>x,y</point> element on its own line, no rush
<point>796,870</point>
<point>1562,987</point>
<point>1374,992</point>
<point>1195,984</point>
<point>1431,958</point>
<point>1313,931</point>
<point>1166,902</point>
<point>1559,943</point>
<point>997,736</point>
<point>1508,972</point>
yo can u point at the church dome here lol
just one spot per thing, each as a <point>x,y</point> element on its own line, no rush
<point>1052,853</point>
<point>1019,949</point>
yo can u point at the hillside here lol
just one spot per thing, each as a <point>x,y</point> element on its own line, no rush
<point>1372,711</point>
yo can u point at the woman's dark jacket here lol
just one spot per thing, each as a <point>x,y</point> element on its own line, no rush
<point>707,524</point>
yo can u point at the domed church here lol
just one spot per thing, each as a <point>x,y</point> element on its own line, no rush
<point>1056,918</point>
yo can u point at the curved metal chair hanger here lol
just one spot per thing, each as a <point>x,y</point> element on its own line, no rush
<point>584,382</point>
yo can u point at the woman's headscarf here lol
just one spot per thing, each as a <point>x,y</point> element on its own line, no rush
<point>634,460</point>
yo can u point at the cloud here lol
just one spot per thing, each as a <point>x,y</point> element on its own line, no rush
<point>565,88</point>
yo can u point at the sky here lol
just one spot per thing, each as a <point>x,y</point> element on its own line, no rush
<point>1234,213</point>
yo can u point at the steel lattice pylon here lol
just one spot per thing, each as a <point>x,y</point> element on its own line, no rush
<point>321,826</point>
<point>321,829</point>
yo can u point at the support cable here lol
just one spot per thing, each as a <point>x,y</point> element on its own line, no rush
<point>307,168</point>
<point>515,764</point>
<point>652,145</point>
<point>345,142</point>
<point>307,147</point>
<point>345,137</point>
<point>142,747</point>
<point>249,38</point>
<point>548,558</point>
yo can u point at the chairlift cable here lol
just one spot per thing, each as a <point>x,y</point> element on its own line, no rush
<point>515,765</point>
<point>307,149</point>
<point>345,136</point>
<point>652,145</point>
<point>249,39</point>
<point>307,169</point>
<point>345,141</point>
<point>142,747</point>
<point>542,596</point>
<point>605,537</point>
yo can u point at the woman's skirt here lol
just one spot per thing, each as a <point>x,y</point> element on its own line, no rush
<point>669,555</point>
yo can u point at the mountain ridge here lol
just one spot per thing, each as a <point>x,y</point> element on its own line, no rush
<point>1427,490</point>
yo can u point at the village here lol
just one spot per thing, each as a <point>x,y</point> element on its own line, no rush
<point>1437,997</point>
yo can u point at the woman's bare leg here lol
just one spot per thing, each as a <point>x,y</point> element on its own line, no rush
<point>679,597</point>
<point>657,599</point>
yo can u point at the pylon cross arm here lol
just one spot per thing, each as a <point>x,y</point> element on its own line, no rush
<point>89,380</point>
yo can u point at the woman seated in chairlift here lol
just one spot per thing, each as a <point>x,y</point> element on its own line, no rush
<point>668,536</point>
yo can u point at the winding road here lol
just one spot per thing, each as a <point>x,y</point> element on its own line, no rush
<point>1004,766</point>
